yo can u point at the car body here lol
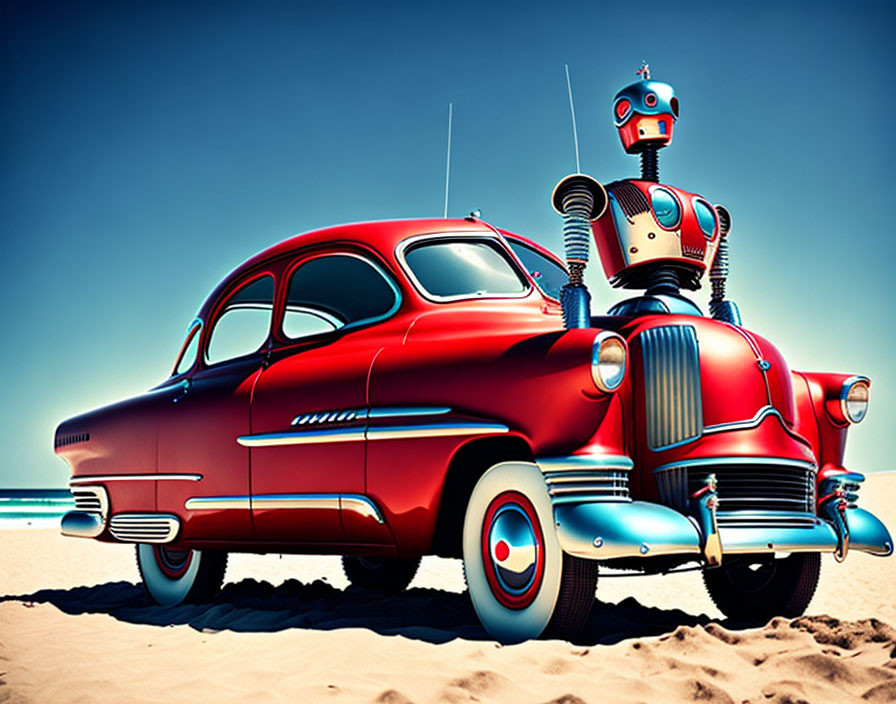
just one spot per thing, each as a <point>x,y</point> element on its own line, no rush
<point>348,390</point>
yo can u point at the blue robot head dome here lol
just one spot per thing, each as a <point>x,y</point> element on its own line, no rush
<point>644,114</point>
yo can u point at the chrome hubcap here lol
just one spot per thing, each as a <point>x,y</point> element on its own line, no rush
<point>513,549</point>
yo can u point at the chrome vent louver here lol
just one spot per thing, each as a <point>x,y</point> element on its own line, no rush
<point>587,485</point>
<point>674,412</point>
<point>144,527</point>
<point>64,440</point>
<point>92,499</point>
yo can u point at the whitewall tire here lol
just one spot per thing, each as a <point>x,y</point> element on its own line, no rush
<point>171,576</point>
<point>521,583</point>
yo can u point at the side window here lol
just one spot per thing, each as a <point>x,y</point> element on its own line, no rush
<point>243,323</point>
<point>187,354</point>
<point>333,291</point>
<point>546,273</point>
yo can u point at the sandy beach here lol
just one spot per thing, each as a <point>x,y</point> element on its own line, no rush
<point>75,626</point>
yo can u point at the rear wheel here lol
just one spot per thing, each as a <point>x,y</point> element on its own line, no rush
<point>388,575</point>
<point>521,583</point>
<point>172,576</point>
<point>756,588</point>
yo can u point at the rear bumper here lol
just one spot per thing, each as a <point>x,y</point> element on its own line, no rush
<point>610,530</point>
<point>123,527</point>
<point>82,524</point>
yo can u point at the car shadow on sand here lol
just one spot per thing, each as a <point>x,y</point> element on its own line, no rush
<point>429,615</point>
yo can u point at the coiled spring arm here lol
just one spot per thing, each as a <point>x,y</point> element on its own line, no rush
<point>579,199</point>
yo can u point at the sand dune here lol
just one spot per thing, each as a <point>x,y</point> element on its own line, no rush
<point>75,626</point>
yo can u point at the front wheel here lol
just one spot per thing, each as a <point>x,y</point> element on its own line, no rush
<point>172,576</point>
<point>521,583</point>
<point>756,588</point>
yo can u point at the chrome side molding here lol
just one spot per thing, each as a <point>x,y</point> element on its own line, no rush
<point>316,435</point>
<point>353,503</point>
<point>134,478</point>
<point>216,503</point>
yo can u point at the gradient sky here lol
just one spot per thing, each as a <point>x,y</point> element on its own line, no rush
<point>147,148</point>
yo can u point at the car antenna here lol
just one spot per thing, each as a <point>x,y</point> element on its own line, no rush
<point>572,112</point>
<point>448,159</point>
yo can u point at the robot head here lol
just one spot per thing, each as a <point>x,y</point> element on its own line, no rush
<point>645,113</point>
<point>649,225</point>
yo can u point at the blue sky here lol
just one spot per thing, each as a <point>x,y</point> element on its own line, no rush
<point>147,148</point>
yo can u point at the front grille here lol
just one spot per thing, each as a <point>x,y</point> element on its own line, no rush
<point>566,486</point>
<point>751,491</point>
<point>92,499</point>
<point>759,488</point>
<point>674,412</point>
<point>144,527</point>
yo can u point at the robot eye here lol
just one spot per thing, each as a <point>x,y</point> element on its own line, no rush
<point>706,218</point>
<point>665,208</point>
<point>622,109</point>
<point>650,100</point>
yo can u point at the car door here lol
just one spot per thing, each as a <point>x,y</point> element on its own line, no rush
<point>209,411</point>
<point>309,408</point>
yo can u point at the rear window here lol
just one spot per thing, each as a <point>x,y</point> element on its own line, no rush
<point>463,268</point>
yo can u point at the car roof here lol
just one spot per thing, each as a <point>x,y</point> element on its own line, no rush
<point>382,236</point>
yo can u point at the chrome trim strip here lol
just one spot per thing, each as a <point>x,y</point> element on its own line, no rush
<point>771,461</point>
<point>302,437</point>
<point>389,432</point>
<point>355,503</point>
<point>398,432</point>
<point>753,422</point>
<point>411,411</point>
<point>363,506</point>
<point>134,478</point>
<point>216,503</point>
<point>584,462</point>
<point>296,501</point>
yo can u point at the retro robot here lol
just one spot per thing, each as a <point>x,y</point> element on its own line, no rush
<point>649,235</point>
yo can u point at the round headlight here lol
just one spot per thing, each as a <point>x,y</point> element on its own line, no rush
<point>608,357</point>
<point>854,398</point>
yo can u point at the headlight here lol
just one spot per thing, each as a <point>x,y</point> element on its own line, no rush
<point>854,398</point>
<point>608,358</point>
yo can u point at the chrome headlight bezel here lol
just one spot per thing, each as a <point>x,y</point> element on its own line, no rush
<point>609,361</point>
<point>860,385</point>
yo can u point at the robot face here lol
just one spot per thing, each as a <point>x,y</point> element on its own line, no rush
<point>649,223</point>
<point>645,113</point>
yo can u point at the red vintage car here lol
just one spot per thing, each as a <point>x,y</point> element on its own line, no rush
<point>389,390</point>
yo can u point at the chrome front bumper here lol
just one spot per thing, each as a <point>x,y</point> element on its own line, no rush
<point>609,530</point>
<point>595,520</point>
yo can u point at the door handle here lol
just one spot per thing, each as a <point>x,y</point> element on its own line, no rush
<point>184,388</point>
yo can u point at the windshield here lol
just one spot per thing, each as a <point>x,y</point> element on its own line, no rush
<point>461,268</point>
